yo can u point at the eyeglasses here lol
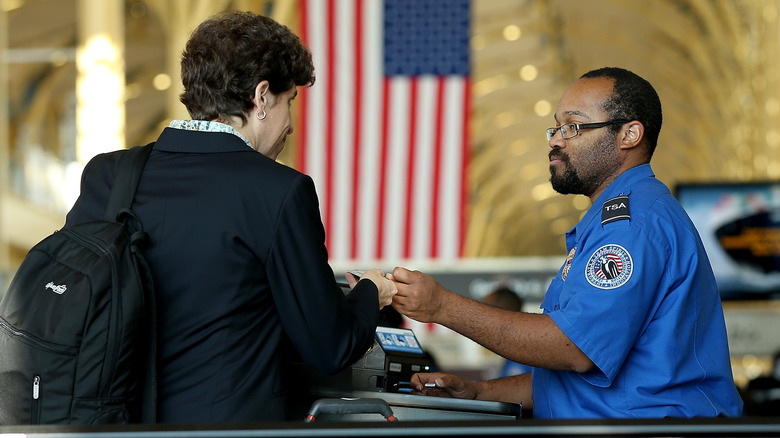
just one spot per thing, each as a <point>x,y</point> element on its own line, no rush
<point>569,130</point>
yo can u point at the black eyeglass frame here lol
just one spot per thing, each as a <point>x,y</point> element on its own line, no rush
<point>577,126</point>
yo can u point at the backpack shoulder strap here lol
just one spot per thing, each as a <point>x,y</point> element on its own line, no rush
<point>128,174</point>
<point>131,165</point>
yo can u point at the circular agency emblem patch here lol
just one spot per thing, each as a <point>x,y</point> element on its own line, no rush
<point>609,267</point>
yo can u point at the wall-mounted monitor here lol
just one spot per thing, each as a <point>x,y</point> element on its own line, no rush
<point>739,224</point>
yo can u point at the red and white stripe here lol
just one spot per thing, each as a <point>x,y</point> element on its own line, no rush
<point>388,155</point>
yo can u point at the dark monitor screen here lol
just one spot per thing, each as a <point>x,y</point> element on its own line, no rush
<point>739,224</point>
<point>397,339</point>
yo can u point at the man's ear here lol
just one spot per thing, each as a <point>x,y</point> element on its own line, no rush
<point>631,135</point>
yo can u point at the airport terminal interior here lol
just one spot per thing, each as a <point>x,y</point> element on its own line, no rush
<point>714,63</point>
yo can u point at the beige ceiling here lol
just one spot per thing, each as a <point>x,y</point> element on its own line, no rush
<point>713,62</point>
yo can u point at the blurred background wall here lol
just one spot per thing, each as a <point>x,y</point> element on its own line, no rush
<point>79,77</point>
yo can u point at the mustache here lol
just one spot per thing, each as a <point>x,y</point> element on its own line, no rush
<point>558,155</point>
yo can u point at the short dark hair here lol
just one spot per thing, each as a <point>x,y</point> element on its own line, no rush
<point>229,54</point>
<point>633,98</point>
<point>505,298</point>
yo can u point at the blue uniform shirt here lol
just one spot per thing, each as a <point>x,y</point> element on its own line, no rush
<point>637,295</point>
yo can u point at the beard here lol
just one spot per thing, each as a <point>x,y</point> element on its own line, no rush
<point>595,163</point>
<point>567,182</point>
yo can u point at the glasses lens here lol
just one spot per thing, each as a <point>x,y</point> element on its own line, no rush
<point>568,130</point>
<point>551,132</point>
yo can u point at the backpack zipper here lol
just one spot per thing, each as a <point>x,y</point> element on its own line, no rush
<point>35,402</point>
<point>62,349</point>
<point>113,334</point>
<point>35,409</point>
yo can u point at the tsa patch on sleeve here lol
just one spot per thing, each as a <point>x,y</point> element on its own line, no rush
<point>615,209</point>
<point>609,267</point>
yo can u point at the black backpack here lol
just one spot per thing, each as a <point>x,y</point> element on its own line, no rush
<point>77,333</point>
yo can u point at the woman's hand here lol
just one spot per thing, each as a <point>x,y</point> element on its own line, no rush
<point>386,288</point>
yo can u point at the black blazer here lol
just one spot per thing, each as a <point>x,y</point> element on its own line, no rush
<point>241,272</point>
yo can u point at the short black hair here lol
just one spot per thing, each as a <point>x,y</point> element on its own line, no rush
<point>505,298</point>
<point>633,98</point>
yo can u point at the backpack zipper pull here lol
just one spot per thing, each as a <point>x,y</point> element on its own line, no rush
<point>36,387</point>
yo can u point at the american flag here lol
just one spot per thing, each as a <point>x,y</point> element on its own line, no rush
<point>384,131</point>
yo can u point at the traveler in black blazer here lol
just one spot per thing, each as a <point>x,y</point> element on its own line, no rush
<point>237,247</point>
